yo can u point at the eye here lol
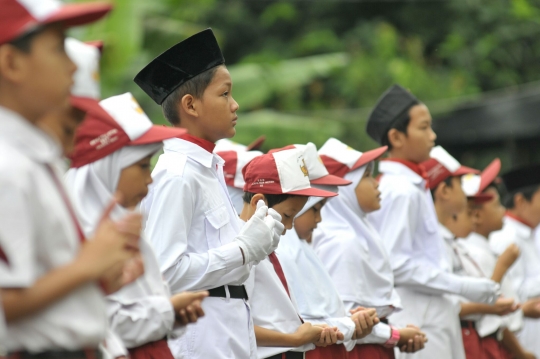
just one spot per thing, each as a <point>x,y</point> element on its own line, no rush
<point>226,93</point>
<point>286,216</point>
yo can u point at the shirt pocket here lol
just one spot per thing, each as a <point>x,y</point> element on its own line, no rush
<point>215,221</point>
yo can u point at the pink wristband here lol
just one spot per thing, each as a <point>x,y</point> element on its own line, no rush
<point>394,338</point>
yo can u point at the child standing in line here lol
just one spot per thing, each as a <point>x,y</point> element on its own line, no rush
<point>354,255</point>
<point>200,242</point>
<point>408,225</point>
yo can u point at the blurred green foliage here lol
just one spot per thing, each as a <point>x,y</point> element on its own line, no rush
<point>307,70</point>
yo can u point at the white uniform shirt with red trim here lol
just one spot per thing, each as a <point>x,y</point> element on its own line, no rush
<point>38,235</point>
<point>408,225</point>
<point>524,274</point>
<point>191,224</point>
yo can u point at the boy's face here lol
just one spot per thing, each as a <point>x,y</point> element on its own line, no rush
<point>420,138</point>
<point>367,192</point>
<point>43,75</point>
<point>464,222</point>
<point>453,197</point>
<point>490,214</point>
<point>217,108</point>
<point>306,223</point>
<point>289,208</point>
<point>134,181</point>
<point>62,124</point>
<point>531,209</point>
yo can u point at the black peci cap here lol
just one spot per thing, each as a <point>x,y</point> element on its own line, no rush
<point>522,177</point>
<point>393,105</point>
<point>179,64</point>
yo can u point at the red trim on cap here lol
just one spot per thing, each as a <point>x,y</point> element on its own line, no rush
<point>517,218</point>
<point>481,198</point>
<point>231,163</point>
<point>436,172</point>
<point>158,134</point>
<point>288,147</point>
<point>464,170</point>
<point>257,144</point>
<point>489,174</point>
<point>334,167</point>
<point>207,145</point>
<point>331,180</point>
<point>79,14</point>
<point>369,156</point>
<point>98,44</point>
<point>315,192</point>
<point>14,20</point>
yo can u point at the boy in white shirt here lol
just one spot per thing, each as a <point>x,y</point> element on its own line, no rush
<point>408,226</point>
<point>200,242</point>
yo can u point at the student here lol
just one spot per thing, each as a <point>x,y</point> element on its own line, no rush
<point>309,282</point>
<point>235,161</point>
<point>52,273</point>
<point>491,332</point>
<point>523,215</point>
<point>407,224</point>
<point>142,313</point>
<point>193,227</point>
<point>281,180</point>
<point>353,254</point>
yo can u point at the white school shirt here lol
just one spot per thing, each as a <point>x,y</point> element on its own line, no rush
<point>478,260</point>
<point>271,306</point>
<point>408,225</point>
<point>524,273</point>
<point>312,287</point>
<point>191,225</point>
<point>38,235</point>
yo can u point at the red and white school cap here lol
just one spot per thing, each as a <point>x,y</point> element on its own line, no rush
<point>85,92</point>
<point>318,174</point>
<point>235,161</point>
<point>126,125</point>
<point>442,165</point>
<point>227,145</point>
<point>283,172</point>
<point>20,16</point>
<point>341,159</point>
<point>474,185</point>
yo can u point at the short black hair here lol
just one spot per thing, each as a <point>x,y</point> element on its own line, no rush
<point>527,192</point>
<point>24,42</point>
<point>401,125</point>
<point>195,87</point>
<point>271,199</point>
<point>447,181</point>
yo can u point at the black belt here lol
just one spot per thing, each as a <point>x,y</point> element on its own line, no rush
<point>467,324</point>
<point>493,335</point>
<point>236,291</point>
<point>384,320</point>
<point>288,355</point>
<point>58,354</point>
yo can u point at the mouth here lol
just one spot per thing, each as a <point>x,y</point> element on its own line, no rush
<point>235,120</point>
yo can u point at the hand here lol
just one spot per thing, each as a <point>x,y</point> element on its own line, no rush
<point>364,321</point>
<point>187,306</point>
<point>122,274</point>
<point>411,339</point>
<point>276,225</point>
<point>526,355</point>
<point>531,308</point>
<point>307,333</point>
<point>329,336</point>
<point>504,306</point>
<point>480,290</point>
<point>255,238</point>
<point>509,256</point>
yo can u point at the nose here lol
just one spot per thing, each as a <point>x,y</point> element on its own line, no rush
<point>433,135</point>
<point>235,106</point>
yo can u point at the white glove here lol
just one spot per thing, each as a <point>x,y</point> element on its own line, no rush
<point>255,237</point>
<point>274,220</point>
<point>480,290</point>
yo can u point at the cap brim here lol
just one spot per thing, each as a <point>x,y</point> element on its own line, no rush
<point>313,192</point>
<point>257,144</point>
<point>331,180</point>
<point>90,106</point>
<point>98,44</point>
<point>464,170</point>
<point>489,174</point>
<point>158,134</point>
<point>481,198</point>
<point>369,156</point>
<point>79,14</point>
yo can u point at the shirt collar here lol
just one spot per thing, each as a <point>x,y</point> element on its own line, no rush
<point>478,240</point>
<point>446,234</point>
<point>192,150</point>
<point>522,230</point>
<point>28,138</point>
<point>398,168</point>
<point>206,145</point>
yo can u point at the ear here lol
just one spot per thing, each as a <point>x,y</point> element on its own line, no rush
<point>519,200</point>
<point>11,63</point>
<point>441,190</point>
<point>255,199</point>
<point>187,105</point>
<point>477,216</point>
<point>396,138</point>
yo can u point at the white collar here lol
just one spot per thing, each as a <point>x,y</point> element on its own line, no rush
<point>28,138</point>
<point>478,240</point>
<point>446,234</point>
<point>396,168</point>
<point>195,152</point>
<point>522,230</point>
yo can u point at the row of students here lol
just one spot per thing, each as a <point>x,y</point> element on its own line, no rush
<point>262,303</point>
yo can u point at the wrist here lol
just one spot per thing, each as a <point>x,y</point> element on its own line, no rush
<point>394,338</point>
